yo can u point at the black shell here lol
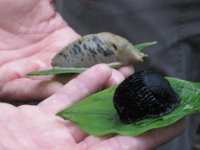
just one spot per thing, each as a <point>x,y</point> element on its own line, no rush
<point>144,95</point>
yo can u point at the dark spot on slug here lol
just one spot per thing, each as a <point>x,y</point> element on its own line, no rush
<point>114,46</point>
<point>96,40</point>
<point>85,46</point>
<point>100,49</point>
<point>92,52</point>
<point>107,52</point>
<point>77,49</point>
<point>103,50</point>
<point>144,95</point>
<point>82,54</point>
<point>63,55</point>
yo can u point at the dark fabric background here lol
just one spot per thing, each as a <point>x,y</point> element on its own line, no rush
<point>175,24</point>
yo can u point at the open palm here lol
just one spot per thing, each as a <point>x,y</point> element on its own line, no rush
<point>31,33</point>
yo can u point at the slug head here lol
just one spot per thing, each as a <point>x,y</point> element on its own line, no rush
<point>124,51</point>
<point>144,95</point>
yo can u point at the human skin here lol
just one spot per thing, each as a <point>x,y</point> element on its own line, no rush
<point>37,127</point>
<point>32,32</point>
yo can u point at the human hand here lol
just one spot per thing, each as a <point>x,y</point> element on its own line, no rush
<point>32,32</point>
<point>37,127</point>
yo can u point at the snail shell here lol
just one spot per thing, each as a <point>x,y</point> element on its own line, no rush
<point>97,48</point>
<point>144,95</point>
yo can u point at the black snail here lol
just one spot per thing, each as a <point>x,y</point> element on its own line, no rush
<point>97,48</point>
<point>144,95</point>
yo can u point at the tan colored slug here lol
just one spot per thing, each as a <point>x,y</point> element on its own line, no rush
<point>92,49</point>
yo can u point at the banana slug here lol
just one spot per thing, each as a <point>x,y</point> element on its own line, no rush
<point>92,49</point>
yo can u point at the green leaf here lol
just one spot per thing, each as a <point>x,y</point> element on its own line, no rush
<point>96,114</point>
<point>56,70</point>
<point>143,45</point>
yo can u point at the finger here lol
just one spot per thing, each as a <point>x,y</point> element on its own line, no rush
<point>90,141</point>
<point>75,90</point>
<point>78,88</point>
<point>127,70</point>
<point>76,132</point>
<point>116,78</point>
<point>149,140</point>
<point>18,69</point>
<point>25,90</point>
<point>163,135</point>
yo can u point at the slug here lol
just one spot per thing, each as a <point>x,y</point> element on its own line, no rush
<point>144,95</point>
<point>97,48</point>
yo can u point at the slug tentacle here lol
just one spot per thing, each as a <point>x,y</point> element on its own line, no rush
<point>97,48</point>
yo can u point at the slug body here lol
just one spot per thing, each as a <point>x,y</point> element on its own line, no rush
<point>97,48</point>
<point>144,95</point>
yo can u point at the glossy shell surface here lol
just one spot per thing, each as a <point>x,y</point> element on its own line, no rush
<point>97,48</point>
<point>144,95</point>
